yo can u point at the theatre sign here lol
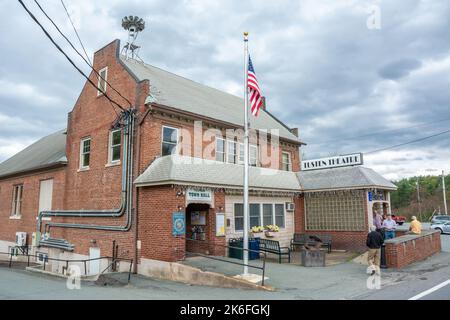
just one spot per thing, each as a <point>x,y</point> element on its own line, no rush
<point>333,162</point>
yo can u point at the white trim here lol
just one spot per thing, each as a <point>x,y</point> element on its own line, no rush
<point>99,92</point>
<point>162,137</point>
<point>81,166</point>
<point>110,147</point>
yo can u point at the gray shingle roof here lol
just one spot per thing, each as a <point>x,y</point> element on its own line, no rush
<point>48,151</point>
<point>196,171</point>
<point>342,178</point>
<point>174,91</point>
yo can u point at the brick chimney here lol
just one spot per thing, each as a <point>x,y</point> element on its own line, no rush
<point>294,131</point>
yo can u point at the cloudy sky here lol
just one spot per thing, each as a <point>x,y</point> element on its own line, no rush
<point>353,75</point>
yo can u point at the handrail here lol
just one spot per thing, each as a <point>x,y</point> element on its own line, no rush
<point>263,268</point>
<point>115,259</point>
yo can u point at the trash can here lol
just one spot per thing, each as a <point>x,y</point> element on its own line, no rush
<point>383,264</point>
<point>235,249</point>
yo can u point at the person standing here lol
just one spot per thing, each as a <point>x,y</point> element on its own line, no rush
<point>415,227</point>
<point>377,220</point>
<point>374,243</point>
<point>389,226</point>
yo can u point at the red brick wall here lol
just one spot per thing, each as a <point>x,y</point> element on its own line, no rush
<point>156,205</point>
<point>100,186</point>
<point>30,202</point>
<point>399,255</point>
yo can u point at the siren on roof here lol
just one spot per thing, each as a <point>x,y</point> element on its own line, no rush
<point>134,25</point>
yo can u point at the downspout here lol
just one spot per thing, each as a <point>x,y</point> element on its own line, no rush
<point>126,198</point>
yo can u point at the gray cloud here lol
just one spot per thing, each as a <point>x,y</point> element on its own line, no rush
<point>346,87</point>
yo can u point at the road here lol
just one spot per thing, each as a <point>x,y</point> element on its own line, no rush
<point>428,281</point>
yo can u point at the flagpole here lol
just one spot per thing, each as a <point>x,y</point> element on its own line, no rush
<point>246,158</point>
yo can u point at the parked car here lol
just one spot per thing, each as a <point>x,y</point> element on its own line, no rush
<point>440,218</point>
<point>443,227</point>
<point>399,219</point>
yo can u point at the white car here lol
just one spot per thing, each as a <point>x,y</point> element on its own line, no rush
<point>444,227</point>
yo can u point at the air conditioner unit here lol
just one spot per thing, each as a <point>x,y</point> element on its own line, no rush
<point>21,239</point>
<point>290,206</point>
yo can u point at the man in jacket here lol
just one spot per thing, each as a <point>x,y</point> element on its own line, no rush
<point>374,243</point>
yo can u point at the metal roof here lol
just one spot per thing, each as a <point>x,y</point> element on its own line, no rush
<point>171,90</point>
<point>342,178</point>
<point>46,152</point>
<point>187,170</point>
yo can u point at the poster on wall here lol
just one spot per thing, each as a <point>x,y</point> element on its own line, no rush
<point>198,218</point>
<point>220,224</point>
<point>178,224</point>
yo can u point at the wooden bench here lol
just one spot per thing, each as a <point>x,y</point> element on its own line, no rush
<point>272,246</point>
<point>303,239</point>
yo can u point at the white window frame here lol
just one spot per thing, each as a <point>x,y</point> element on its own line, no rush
<point>162,138</point>
<point>111,146</point>
<point>250,155</point>
<point>225,146</point>
<point>100,80</point>
<point>82,153</point>
<point>261,213</point>
<point>16,209</point>
<point>241,152</point>
<point>228,154</point>
<point>289,163</point>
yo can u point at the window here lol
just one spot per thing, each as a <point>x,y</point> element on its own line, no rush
<point>238,217</point>
<point>279,215</point>
<point>17,200</point>
<point>253,155</point>
<point>85,153</point>
<point>115,138</point>
<point>220,149</point>
<point>231,151</point>
<point>286,161</point>
<point>169,140</point>
<point>344,211</point>
<point>102,79</point>
<point>271,213</point>
<point>267,214</point>
<point>241,153</point>
<point>255,215</point>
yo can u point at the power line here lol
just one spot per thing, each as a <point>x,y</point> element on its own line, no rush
<point>82,46</point>
<point>73,47</point>
<point>65,55</point>
<point>76,32</point>
<point>379,132</point>
<point>409,142</point>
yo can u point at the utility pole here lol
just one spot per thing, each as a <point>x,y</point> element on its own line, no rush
<point>443,192</point>
<point>418,199</point>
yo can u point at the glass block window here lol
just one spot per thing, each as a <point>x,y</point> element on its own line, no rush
<point>339,211</point>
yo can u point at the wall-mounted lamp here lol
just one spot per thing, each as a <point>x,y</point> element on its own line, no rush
<point>180,208</point>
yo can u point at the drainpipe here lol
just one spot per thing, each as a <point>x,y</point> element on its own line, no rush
<point>126,198</point>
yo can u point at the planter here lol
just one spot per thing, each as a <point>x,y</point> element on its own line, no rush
<point>269,234</point>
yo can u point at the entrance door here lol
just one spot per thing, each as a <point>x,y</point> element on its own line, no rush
<point>94,265</point>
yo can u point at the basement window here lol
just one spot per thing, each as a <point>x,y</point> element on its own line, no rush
<point>17,201</point>
<point>102,79</point>
<point>115,139</point>
<point>85,153</point>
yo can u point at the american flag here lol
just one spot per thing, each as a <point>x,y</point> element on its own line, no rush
<point>253,89</point>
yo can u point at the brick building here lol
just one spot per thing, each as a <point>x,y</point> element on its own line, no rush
<point>120,179</point>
